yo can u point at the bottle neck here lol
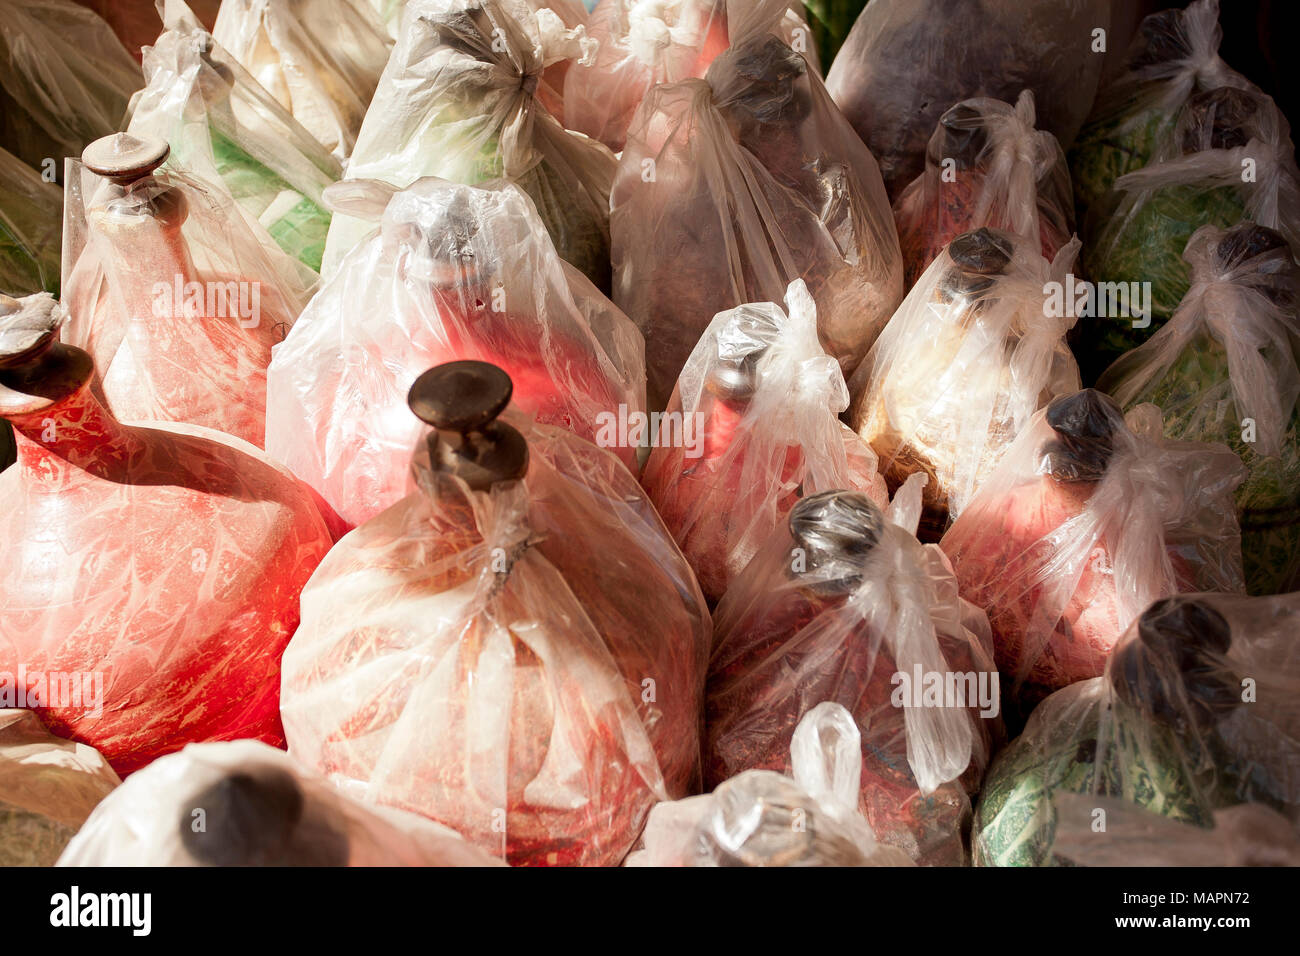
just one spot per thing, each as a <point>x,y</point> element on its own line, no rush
<point>75,431</point>
<point>148,256</point>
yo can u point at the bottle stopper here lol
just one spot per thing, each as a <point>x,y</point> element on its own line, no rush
<point>837,531</point>
<point>123,157</point>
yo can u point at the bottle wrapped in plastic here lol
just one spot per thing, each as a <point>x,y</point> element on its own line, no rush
<point>761,818</point>
<point>31,226</point>
<point>174,297</point>
<point>453,272</point>
<point>1248,834</point>
<point>1089,519</point>
<point>647,42</point>
<point>973,352</point>
<point>1196,712</point>
<point>65,80</point>
<point>165,561</point>
<point>986,166</point>
<point>1174,56</point>
<point>516,649</point>
<point>48,786</point>
<point>243,803</point>
<point>1230,159</point>
<point>321,59</point>
<point>1226,368</point>
<point>732,187</point>
<point>907,61</point>
<point>463,98</point>
<point>843,605</point>
<point>225,128</point>
<point>756,413</point>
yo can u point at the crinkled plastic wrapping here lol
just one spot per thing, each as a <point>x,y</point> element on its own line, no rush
<point>1197,712</point>
<point>760,399</point>
<point>454,272</point>
<point>523,664</point>
<point>1174,56</point>
<point>831,608</point>
<point>761,818</point>
<point>320,58</point>
<point>1087,521</point>
<point>732,187</point>
<point>986,166</point>
<point>969,357</point>
<point>1230,159</point>
<point>246,804</point>
<point>65,80</point>
<point>463,99</point>
<point>48,786</point>
<point>1226,368</point>
<point>31,224</point>
<point>386,13</point>
<point>225,128</point>
<point>176,298</point>
<point>1249,834</point>
<point>175,557</point>
<point>647,42</point>
<point>906,61</point>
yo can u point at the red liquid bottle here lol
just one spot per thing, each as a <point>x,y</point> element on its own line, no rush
<point>155,569</point>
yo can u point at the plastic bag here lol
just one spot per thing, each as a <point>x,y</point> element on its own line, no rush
<point>462,99</point>
<point>225,128</point>
<point>986,166</point>
<point>65,80</point>
<point>453,272</point>
<point>1087,521</point>
<point>516,649</point>
<point>320,58</point>
<point>970,355</point>
<point>755,411</point>
<point>835,607</point>
<point>761,818</point>
<point>1197,711</point>
<point>176,558</point>
<point>246,804</point>
<point>31,224</point>
<point>647,42</point>
<point>171,293</point>
<point>1174,56</point>
<point>1226,368</point>
<point>1230,160</point>
<point>48,786</point>
<point>830,22</point>
<point>906,61</point>
<point>732,187</point>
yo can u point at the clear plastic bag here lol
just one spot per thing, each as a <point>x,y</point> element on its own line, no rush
<point>246,804</point>
<point>1226,368</point>
<point>732,187</point>
<point>48,786</point>
<point>321,59</point>
<point>65,80</point>
<point>759,400</point>
<point>761,818</point>
<point>452,272</point>
<point>1197,712</point>
<point>967,359</point>
<point>31,226</point>
<point>225,128</point>
<point>835,607</point>
<point>906,61</point>
<point>463,98</point>
<point>1089,519</point>
<point>516,649</point>
<point>986,166</point>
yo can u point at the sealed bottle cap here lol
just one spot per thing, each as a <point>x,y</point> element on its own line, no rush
<point>1085,424</point>
<point>1221,118</point>
<point>462,401</point>
<point>255,818</point>
<point>124,157</point>
<point>837,532</point>
<point>964,136</point>
<point>1163,40</point>
<point>735,376</point>
<point>1244,242</point>
<point>978,257</point>
<point>1176,670</point>
<point>28,327</point>
<point>765,72</point>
